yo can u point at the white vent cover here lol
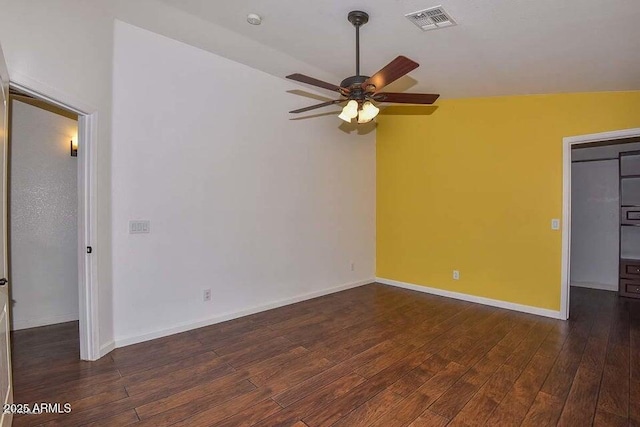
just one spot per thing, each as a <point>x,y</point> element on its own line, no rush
<point>431,19</point>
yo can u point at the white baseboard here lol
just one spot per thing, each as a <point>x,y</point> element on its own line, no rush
<point>472,298</point>
<point>17,324</point>
<point>106,348</point>
<point>134,339</point>
<point>599,286</point>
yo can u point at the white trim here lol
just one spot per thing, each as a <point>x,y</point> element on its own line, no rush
<point>87,205</point>
<point>602,136</point>
<point>49,94</point>
<point>87,236</point>
<point>473,298</point>
<point>134,339</point>
<point>567,143</point>
<point>107,348</point>
<point>598,286</point>
<point>43,321</point>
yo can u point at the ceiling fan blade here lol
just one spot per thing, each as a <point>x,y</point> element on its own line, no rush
<point>313,107</point>
<point>406,98</point>
<point>391,72</point>
<point>315,82</point>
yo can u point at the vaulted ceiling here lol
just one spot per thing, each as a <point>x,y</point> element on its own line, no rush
<point>499,47</point>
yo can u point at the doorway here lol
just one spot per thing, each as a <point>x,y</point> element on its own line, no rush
<point>43,214</point>
<point>87,294</point>
<point>591,240</point>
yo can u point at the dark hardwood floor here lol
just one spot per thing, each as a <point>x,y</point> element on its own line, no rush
<point>369,356</point>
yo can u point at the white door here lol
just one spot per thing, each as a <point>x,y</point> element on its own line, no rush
<point>6,389</point>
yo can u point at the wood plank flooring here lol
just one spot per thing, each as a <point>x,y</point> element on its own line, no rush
<point>369,356</point>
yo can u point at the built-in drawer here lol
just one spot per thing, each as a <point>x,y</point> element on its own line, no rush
<point>629,269</point>
<point>630,215</point>
<point>630,288</point>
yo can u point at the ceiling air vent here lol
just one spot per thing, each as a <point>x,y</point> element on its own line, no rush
<point>431,19</point>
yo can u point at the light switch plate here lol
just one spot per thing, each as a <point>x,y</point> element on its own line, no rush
<point>139,226</point>
<point>555,224</point>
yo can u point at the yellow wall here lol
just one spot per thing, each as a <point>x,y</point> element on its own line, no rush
<point>474,186</point>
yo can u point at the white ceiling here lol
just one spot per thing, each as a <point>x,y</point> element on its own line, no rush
<point>499,47</point>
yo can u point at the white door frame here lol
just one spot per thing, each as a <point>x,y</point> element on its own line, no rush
<point>87,207</point>
<point>567,143</point>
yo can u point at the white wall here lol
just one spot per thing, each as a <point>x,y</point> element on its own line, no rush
<point>594,224</point>
<point>43,218</point>
<point>63,48</point>
<point>242,200</point>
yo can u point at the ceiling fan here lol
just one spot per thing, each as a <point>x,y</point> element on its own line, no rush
<point>360,91</point>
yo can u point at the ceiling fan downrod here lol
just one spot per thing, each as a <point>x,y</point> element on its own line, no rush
<point>358,19</point>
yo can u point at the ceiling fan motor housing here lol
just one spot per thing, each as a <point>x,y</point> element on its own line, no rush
<point>354,84</point>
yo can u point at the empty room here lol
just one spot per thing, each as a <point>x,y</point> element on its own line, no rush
<point>310,214</point>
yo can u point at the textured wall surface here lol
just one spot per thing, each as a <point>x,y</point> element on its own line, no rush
<point>43,218</point>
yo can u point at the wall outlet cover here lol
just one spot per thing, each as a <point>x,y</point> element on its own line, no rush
<point>139,226</point>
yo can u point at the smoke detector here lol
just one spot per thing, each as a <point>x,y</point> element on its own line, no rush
<point>431,18</point>
<point>254,19</point>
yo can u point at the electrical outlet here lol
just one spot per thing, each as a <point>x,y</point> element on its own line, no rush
<point>555,224</point>
<point>353,266</point>
<point>206,295</point>
<point>456,275</point>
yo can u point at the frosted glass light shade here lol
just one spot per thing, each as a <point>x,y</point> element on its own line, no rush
<point>350,111</point>
<point>368,112</point>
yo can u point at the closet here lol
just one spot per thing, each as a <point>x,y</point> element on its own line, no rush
<point>629,184</point>
<point>605,217</point>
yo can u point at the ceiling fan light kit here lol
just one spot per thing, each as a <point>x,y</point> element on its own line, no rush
<point>360,91</point>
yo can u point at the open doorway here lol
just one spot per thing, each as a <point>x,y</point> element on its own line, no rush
<point>86,197</point>
<point>43,229</point>
<point>43,214</point>
<point>601,182</point>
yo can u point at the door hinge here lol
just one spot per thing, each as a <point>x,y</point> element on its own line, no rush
<point>89,249</point>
